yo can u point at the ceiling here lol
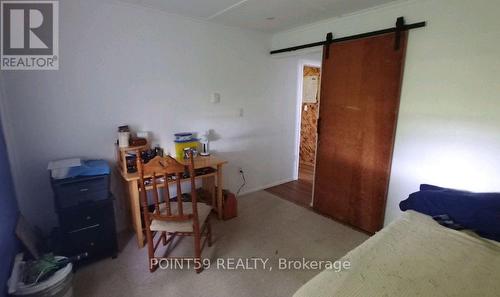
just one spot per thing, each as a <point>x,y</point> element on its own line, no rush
<point>262,15</point>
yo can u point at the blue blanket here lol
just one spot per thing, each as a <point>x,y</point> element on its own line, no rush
<point>479,212</point>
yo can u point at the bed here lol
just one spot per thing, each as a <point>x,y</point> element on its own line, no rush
<point>414,256</point>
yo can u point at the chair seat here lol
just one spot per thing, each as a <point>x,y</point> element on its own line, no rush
<point>183,226</point>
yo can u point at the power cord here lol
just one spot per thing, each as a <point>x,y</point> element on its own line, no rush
<point>244,181</point>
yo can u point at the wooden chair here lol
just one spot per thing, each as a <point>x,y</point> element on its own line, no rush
<point>166,219</point>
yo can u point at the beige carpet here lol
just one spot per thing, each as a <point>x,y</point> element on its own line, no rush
<point>267,227</point>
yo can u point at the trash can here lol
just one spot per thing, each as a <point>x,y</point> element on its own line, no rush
<point>58,285</point>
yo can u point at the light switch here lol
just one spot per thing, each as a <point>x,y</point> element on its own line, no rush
<point>215,98</point>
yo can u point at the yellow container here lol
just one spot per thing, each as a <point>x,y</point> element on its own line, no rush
<point>180,146</point>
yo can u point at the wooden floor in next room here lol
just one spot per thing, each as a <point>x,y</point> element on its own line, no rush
<point>298,191</point>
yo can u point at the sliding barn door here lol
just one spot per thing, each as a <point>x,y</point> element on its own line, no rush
<point>360,90</point>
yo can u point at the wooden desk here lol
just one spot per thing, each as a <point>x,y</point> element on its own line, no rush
<point>208,183</point>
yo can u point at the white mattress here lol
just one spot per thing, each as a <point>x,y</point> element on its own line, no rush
<point>414,256</point>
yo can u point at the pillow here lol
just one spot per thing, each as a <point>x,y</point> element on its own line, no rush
<point>427,187</point>
<point>479,212</point>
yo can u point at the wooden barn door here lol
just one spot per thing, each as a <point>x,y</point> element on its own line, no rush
<point>360,90</point>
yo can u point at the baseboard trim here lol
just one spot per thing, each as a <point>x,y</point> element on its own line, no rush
<point>277,183</point>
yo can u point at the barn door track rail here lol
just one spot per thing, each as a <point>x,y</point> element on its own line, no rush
<point>400,27</point>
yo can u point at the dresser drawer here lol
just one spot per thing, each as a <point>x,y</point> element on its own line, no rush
<point>95,240</point>
<point>72,192</point>
<point>86,215</point>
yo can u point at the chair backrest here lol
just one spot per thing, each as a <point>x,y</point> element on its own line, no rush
<point>158,173</point>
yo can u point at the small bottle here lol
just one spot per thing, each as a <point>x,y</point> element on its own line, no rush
<point>158,150</point>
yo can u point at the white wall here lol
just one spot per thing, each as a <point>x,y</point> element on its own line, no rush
<point>449,122</point>
<point>126,64</point>
<point>122,64</point>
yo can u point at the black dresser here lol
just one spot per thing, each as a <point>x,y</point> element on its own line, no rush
<point>86,216</point>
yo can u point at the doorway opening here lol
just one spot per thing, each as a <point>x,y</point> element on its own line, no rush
<point>308,122</point>
<point>300,190</point>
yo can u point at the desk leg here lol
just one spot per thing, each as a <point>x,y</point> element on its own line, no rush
<point>220,199</point>
<point>135,208</point>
